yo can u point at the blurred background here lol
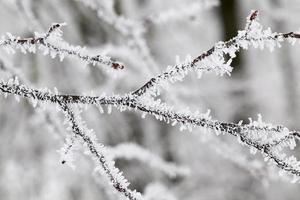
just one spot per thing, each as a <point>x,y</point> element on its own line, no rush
<point>147,36</point>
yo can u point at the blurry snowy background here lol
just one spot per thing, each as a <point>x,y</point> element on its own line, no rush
<point>220,168</point>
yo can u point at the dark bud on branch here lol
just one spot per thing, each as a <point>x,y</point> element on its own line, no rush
<point>253,15</point>
<point>117,65</point>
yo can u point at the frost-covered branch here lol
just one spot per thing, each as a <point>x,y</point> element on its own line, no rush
<point>213,60</point>
<point>100,155</point>
<point>52,43</point>
<point>259,136</point>
<point>132,151</point>
<point>184,11</point>
<point>105,165</point>
<point>268,139</point>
